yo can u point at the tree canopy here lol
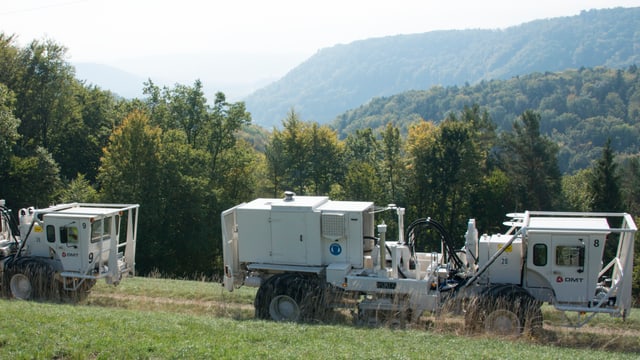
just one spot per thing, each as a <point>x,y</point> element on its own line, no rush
<point>578,109</point>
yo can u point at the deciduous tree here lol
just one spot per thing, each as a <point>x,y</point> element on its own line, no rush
<point>131,172</point>
<point>34,180</point>
<point>575,191</point>
<point>8,128</point>
<point>363,179</point>
<point>295,147</point>
<point>325,159</point>
<point>224,121</point>
<point>44,92</point>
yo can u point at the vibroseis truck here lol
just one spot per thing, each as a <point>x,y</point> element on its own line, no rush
<point>58,253</point>
<point>308,253</point>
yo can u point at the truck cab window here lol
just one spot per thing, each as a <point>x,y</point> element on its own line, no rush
<point>540,254</point>
<point>69,235</point>
<point>101,230</point>
<point>570,255</point>
<point>51,233</point>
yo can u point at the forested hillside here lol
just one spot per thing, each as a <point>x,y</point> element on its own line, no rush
<point>186,159</point>
<point>579,109</point>
<point>343,77</point>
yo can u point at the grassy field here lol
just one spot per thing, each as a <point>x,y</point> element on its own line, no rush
<point>147,318</point>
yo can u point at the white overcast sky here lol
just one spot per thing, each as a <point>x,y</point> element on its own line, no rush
<point>107,30</point>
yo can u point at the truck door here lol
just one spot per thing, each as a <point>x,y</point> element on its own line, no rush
<point>577,260</point>
<point>289,237</point>
<point>100,243</point>
<point>65,237</point>
<point>568,264</point>
<point>569,276</point>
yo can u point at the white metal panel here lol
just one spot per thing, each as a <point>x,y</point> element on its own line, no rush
<point>289,238</point>
<point>590,224</point>
<point>72,253</point>
<point>337,273</point>
<point>299,203</point>
<point>507,268</point>
<point>254,234</point>
<point>355,240</point>
<point>347,206</point>
<point>230,248</point>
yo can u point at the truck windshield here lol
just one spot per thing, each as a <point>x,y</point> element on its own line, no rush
<point>101,230</point>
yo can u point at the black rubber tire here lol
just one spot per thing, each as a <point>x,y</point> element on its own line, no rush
<point>533,324</point>
<point>503,310</point>
<point>263,298</point>
<point>35,274</point>
<point>308,292</point>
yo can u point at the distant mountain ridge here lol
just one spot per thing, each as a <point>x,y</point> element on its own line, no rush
<point>236,74</point>
<point>343,77</point>
<point>107,77</point>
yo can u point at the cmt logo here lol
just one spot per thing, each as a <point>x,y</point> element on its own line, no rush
<point>568,279</point>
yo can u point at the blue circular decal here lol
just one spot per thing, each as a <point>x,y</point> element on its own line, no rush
<point>335,249</point>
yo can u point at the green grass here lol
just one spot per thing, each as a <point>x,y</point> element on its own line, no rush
<point>183,289</point>
<point>165,319</point>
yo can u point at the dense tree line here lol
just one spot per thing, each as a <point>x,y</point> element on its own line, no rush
<point>186,160</point>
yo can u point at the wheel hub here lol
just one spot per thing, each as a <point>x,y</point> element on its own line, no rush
<point>20,286</point>
<point>284,308</point>
<point>502,322</point>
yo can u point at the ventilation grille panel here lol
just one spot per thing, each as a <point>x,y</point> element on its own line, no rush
<point>333,226</point>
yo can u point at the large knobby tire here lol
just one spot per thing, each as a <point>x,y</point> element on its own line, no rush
<point>504,310</point>
<point>289,297</point>
<point>31,279</point>
<point>533,317</point>
<point>263,298</point>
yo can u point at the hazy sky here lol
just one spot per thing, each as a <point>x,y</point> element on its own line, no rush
<point>282,31</point>
<point>104,30</point>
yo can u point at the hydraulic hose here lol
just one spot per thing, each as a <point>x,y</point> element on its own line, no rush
<point>13,224</point>
<point>24,241</point>
<point>444,235</point>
